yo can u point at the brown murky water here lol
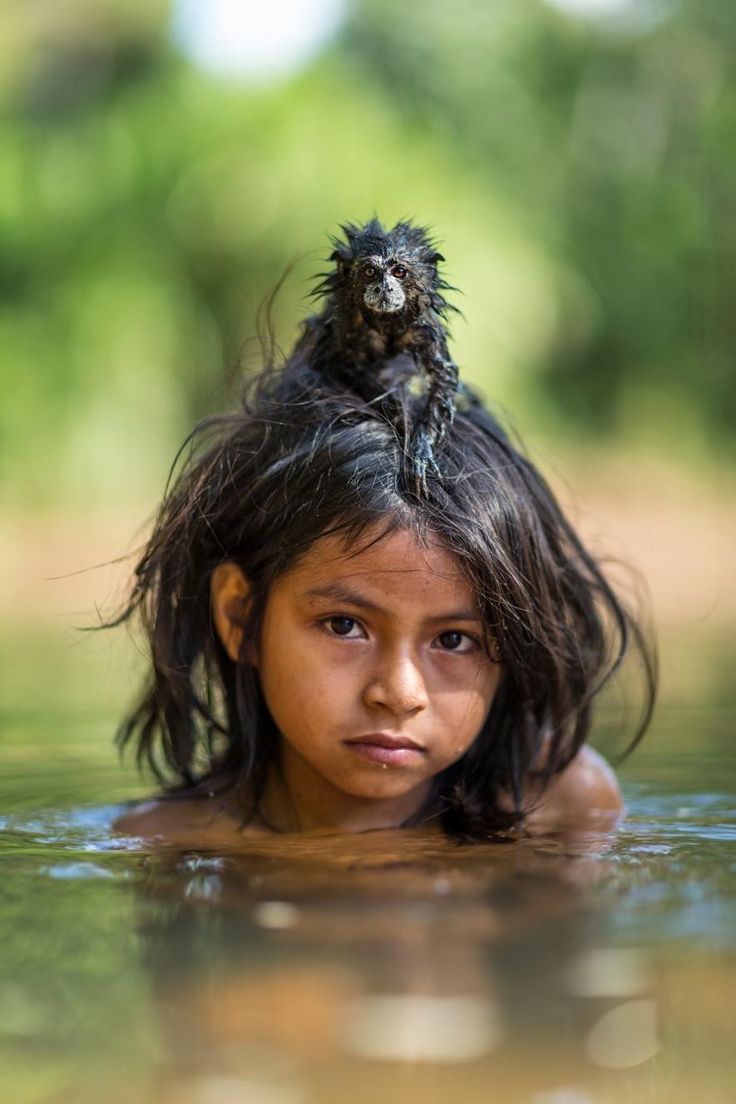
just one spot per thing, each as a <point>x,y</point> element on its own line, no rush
<point>384,967</point>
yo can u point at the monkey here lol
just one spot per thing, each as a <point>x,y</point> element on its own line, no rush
<point>383,301</point>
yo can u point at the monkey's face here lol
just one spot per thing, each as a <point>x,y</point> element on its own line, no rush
<point>385,284</point>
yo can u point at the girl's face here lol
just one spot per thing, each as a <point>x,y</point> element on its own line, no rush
<point>373,667</point>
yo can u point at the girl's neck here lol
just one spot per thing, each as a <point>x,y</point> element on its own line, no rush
<point>298,799</point>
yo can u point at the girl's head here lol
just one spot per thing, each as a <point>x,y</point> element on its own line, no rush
<point>298,595</point>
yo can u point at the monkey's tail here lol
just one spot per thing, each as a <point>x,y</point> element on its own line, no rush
<point>431,429</point>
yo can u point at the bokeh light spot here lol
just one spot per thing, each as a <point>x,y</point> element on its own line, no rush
<point>252,40</point>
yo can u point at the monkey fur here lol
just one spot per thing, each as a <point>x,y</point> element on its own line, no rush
<point>383,303</point>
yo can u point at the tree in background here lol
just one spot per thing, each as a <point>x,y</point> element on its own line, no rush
<point>580,174</point>
<point>616,141</point>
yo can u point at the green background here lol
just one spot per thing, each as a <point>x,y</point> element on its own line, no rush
<point>580,173</point>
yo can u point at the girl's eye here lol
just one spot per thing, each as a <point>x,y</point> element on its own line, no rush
<point>454,641</point>
<point>343,626</point>
<point>399,271</point>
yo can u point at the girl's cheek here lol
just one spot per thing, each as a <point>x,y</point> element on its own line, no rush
<point>471,671</point>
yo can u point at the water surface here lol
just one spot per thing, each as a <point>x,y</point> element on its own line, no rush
<point>388,966</point>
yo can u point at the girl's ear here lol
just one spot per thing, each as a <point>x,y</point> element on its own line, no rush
<point>230,601</point>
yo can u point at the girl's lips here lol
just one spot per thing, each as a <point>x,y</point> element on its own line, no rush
<point>387,750</point>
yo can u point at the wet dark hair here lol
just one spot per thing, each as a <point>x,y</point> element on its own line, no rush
<point>303,458</point>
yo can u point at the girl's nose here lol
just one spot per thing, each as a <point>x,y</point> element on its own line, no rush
<point>398,685</point>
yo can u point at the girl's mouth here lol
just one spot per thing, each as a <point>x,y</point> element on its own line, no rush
<point>390,751</point>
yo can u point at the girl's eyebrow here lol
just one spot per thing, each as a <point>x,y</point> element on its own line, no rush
<point>340,593</point>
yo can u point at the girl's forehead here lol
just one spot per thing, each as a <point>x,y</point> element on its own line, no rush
<point>390,560</point>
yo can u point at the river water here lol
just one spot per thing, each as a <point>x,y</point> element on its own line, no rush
<point>386,967</point>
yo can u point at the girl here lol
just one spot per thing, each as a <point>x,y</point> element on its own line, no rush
<point>336,645</point>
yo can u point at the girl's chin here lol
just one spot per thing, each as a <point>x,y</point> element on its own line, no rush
<point>386,787</point>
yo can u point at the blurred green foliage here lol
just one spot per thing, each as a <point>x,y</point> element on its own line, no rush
<point>579,173</point>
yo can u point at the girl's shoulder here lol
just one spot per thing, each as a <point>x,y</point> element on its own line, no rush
<point>184,821</point>
<point>585,795</point>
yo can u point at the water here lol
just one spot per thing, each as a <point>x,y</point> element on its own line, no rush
<point>389,966</point>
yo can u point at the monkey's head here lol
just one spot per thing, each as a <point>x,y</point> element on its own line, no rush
<point>386,272</point>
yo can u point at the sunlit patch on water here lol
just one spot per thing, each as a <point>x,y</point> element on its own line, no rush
<point>626,1036</point>
<point>608,972</point>
<point>276,915</point>
<point>414,1028</point>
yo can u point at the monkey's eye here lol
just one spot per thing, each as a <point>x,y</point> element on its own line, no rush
<point>369,270</point>
<point>399,272</point>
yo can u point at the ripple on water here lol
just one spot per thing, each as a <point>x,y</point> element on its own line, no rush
<point>86,829</point>
<point>72,871</point>
<point>671,860</point>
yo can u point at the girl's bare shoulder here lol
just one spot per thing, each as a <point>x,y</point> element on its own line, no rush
<point>193,821</point>
<point>586,795</point>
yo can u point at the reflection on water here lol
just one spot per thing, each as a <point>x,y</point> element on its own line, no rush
<point>387,966</point>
